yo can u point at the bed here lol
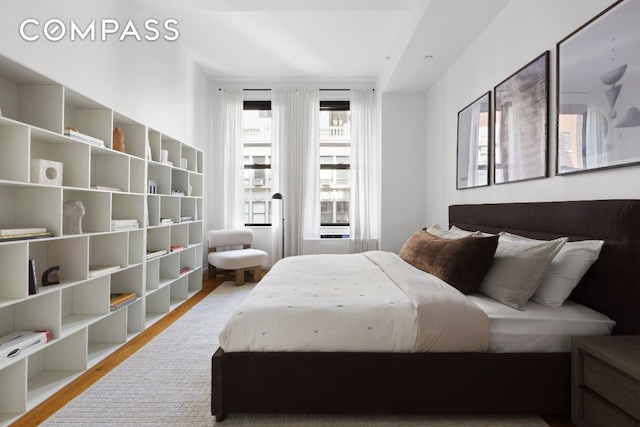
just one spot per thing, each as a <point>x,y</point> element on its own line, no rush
<point>471,382</point>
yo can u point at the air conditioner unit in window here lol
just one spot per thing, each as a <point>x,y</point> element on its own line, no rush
<point>326,181</point>
<point>258,182</point>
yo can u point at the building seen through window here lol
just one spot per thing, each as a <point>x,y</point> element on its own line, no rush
<point>335,155</point>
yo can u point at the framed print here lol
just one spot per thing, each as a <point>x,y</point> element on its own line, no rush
<point>598,121</point>
<point>473,144</point>
<point>520,129</point>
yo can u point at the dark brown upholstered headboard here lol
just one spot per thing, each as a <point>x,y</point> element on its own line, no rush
<point>612,284</point>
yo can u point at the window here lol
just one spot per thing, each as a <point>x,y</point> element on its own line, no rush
<point>335,152</point>
<point>256,121</point>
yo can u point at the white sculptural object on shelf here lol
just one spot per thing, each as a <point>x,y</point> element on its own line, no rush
<point>73,211</point>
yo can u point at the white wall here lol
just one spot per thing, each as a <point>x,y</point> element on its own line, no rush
<point>151,82</point>
<point>524,30</point>
<point>404,175</point>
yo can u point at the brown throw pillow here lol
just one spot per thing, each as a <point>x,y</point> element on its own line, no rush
<point>462,263</point>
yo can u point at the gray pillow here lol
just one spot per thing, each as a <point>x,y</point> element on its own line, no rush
<point>517,270</point>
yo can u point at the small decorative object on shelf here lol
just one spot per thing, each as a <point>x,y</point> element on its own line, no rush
<point>118,140</point>
<point>165,158</point>
<point>51,276</point>
<point>153,186</point>
<point>73,211</point>
<point>46,172</point>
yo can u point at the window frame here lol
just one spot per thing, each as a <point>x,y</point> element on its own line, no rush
<point>334,105</point>
<point>260,105</point>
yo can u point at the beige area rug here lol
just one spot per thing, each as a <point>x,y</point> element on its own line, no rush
<point>168,383</point>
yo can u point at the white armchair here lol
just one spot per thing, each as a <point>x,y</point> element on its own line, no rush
<point>236,254</point>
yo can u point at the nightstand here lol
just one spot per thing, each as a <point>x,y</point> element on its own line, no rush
<point>605,381</point>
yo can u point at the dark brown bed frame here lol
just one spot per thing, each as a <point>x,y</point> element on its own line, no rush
<point>452,383</point>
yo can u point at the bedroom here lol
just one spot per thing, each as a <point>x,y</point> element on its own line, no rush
<point>417,124</point>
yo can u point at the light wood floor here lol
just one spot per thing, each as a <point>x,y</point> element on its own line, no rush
<point>43,411</point>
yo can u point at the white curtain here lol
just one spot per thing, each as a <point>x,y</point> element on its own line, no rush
<point>295,139</point>
<point>233,176</point>
<point>363,217</point>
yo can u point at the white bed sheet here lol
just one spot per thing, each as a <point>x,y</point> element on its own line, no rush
<point>539,328</point>
<point>367,302</point>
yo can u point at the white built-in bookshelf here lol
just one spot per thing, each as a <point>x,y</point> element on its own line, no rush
<point>111,186</point>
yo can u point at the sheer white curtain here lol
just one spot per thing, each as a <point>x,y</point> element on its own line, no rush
<point>363,216</point>
<point>233,176</point>
<point>295,138</point>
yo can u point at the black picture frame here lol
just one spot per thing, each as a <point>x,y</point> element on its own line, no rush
<point>598,96</point>
<point>474,147</point>
<point>521,111</point>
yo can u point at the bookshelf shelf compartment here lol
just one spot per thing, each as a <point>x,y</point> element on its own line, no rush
<point>106,336</point>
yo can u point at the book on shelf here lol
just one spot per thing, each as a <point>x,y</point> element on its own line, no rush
<point>166,221</point>
<point>18,231</point>
<point>106,188</point>
<point>185,218</point>
<point>84,138</point>
<point>124,224</point>
<point>28,236</point>
<point>177,193</point>
<point>101,270</point>
<point>174,248</point>
<point>13,344</point>
<point>184,270</point>
<point>155,254</point>
<point>117,301</point>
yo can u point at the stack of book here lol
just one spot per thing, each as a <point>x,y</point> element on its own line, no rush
<point>183,270</point>
<point>185,218</point>
<point>174,248</point>
<point>19,343</point>
<point>84,138</point>
<point>10,234</point>
<point>101,270</point>
<point>106,188</point>
<point>120,300</point>
<point>166,221</point>
<point>155,254</point>
<point>124,224</point>
<point>177,193</point>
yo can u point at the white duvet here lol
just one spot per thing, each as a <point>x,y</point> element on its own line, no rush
<point>369,302</point>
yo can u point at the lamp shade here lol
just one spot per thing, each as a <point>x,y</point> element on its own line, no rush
<point>277,196</point>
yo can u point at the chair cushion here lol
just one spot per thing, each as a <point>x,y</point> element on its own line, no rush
<point>236,259</point>
<point>233,237</point>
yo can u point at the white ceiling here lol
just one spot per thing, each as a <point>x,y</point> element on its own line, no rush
<point>363,40</point>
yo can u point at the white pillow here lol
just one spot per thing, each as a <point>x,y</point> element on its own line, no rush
<point>565,271</point>
<point>475,233</point>
<point>453,233</point>
<point>518,268</point>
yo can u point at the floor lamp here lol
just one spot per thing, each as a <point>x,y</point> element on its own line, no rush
<point>278,196</point>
